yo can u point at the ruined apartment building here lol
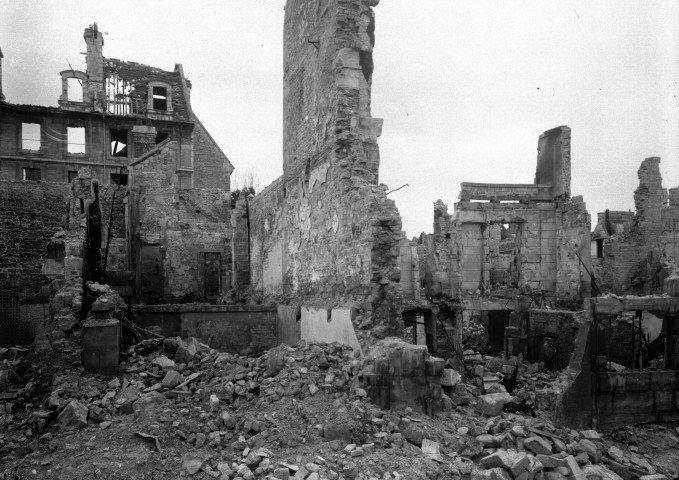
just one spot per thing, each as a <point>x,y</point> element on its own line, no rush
<point>162,203</point>
<point>633,253</point>
<point>324,236</point>
<point>507,248</point>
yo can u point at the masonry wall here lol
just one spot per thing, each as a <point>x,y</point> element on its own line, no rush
<point>326,234</point>
<point>211,168</point>
<point>625,398</point>
<point>633,260</point>
<point>184,223</point>
<point>30,213</point>
<point>551,336</point>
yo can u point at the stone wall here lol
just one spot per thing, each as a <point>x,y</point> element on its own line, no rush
<point>625,398</point>
<point>572,252</point>
<point>325,234</point>
<point>30,213</point>
<point>184,223</point>
<point>550,336</point>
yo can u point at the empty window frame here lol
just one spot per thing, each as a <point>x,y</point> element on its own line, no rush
<point>30,136</point>
<point>160,136</point>
<point>31,174</point>
<point>119,178</point>
<point>75,140</point>
<point>75,89</point>
<point>159,98</point>
<point>72,175</point>
<point>119,142</point>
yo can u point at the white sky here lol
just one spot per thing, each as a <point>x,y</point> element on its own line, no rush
<point>464,88</point>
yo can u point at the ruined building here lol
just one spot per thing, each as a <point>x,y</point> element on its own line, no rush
<point>324,237</point>
<point>126,173</point>
<point>633,253</point>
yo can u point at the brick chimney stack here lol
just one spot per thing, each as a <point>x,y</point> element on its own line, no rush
<point>95,63</point>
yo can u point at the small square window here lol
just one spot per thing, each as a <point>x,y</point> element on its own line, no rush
<point>76,140</point>
<point>32,174</point>
<point>159,98</point>
<point>118,142</point>
<point>72,175</point>
<point>30,136</point>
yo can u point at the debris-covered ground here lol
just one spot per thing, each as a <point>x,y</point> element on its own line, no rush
<point>179,409</point>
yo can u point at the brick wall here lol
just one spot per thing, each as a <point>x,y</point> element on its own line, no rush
<point>30,213</point>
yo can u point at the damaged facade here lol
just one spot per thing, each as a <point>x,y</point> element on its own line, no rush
<point>131,185</point>
<point>324,237</point>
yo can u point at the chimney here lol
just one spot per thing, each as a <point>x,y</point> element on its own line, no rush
<point>2,95</point>
<point>95,63</point>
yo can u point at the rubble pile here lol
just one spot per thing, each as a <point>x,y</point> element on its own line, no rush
<point>183,409</point>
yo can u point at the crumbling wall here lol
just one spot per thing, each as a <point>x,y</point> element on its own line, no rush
<point>326,234</point>
<point>554,161</point>
<point>573,283</point>
<point>30,213</point>
<point>184,223</point>
<point>634,261</point>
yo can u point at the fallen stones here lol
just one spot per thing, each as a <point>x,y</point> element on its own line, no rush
<point>538,445</point>
<point>492,403</point>
<point>172,379</point>
<point>164,363</point>
<point>73,416</point>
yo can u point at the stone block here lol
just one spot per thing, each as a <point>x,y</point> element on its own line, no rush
<point>492,403</point>
<point>637,381</point>
<point>412,362</point>
<point>538,445</point>
<point>450,377</point>
<point>551,461</point>
<point>663,401</point>
<point>172,379</point>
<point>337,431</point>
<point>611,382</point>
<point>491,474</point>
<point>632,402</point>
<point>73,416</point>
<point>663,380</point>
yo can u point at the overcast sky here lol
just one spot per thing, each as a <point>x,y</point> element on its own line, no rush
<point>464,88</point>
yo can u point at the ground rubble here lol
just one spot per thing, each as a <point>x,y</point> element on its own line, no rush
<point>180,409</point>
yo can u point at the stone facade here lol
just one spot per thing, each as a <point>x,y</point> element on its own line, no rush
<point>325,234</point>
<point>635,256</point>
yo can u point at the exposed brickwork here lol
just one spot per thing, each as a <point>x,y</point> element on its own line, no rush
<point>30,213</point>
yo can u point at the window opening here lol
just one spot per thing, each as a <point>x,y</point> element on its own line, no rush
<point>119,178</point>
<point>72,174</point>
<point>75,89</point>
<point>160,136</point>
<point>30,136</point>
<point>32,174</point>
<point>118,142</point>
<point>600,248</point>
<point>159,98</point>
<point>212,274</point>
<point>118,97</point>
<point>76,140</point>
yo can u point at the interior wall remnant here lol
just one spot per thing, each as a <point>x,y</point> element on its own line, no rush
<point>325,233</point>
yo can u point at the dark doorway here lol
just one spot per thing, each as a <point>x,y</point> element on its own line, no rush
<point>212,275</point>
<point>152,278</point>
<point>498,320</point>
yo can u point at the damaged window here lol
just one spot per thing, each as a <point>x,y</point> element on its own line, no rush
<point>159,98</point>
<point>31,174</point>
<point>74,89</point>
<point>76,140</point>
<point>160,136</point>
<point>30,136</point>
<point>72,175</point>
<point>118,142</point>
<point>119,178</point>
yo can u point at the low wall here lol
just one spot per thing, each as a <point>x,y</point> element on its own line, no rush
<point>624,398</point>
<point>233,328</point>
<point>321,325</point>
